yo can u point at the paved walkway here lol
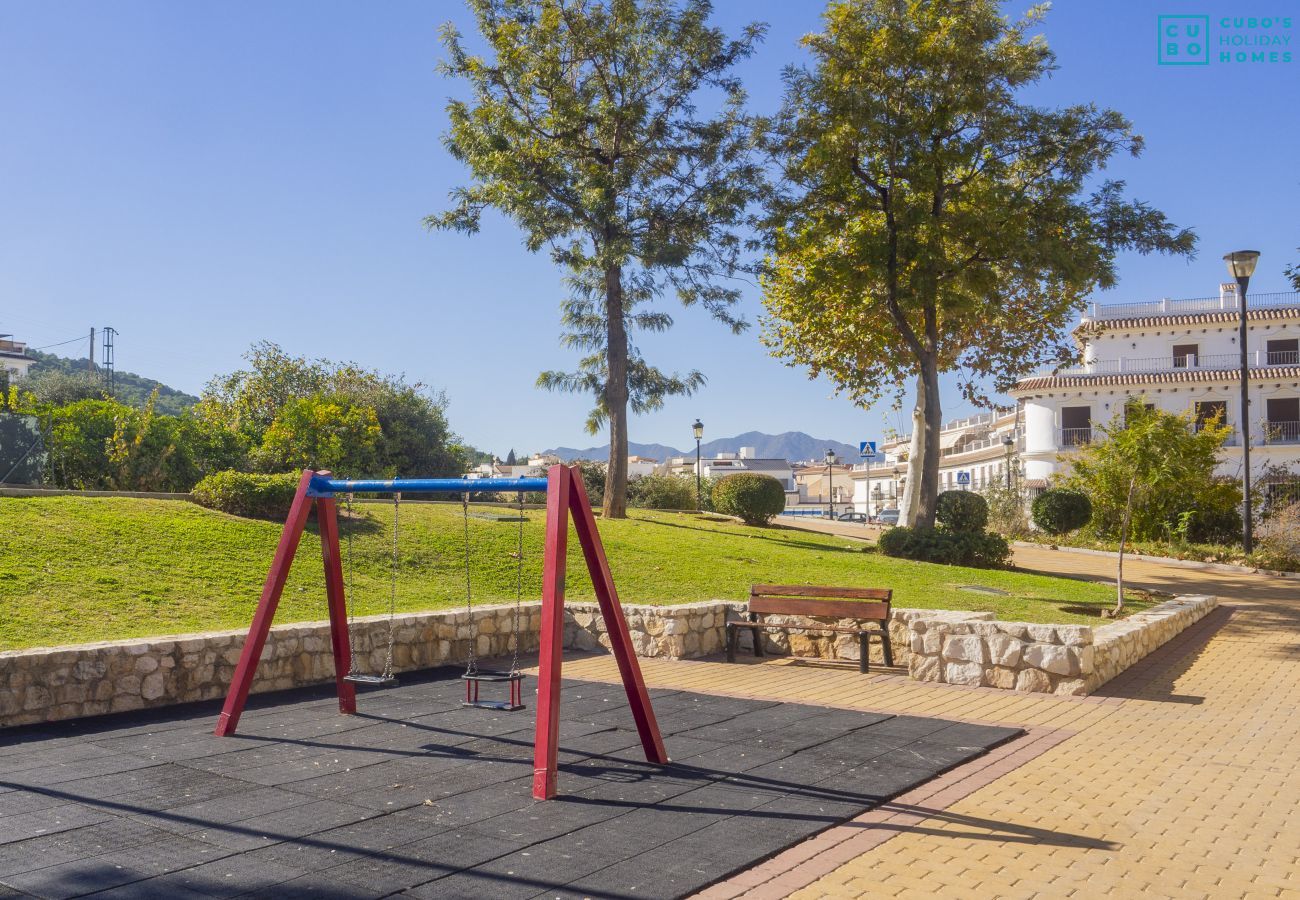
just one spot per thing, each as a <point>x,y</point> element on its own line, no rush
<point>1180,779</point>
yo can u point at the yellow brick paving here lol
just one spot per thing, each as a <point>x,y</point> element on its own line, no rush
<point>1185,786</point>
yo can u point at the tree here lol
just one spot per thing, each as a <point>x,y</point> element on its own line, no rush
<point>1152,474</point>
<point>930,221</point>
<point>510,458</point>
<point>414,436</point>
<point>324,431</point>
<point>1293,274</point>
<point>583,129</point>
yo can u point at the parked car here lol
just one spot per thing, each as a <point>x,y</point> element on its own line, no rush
<point>853,517</point>
<point>887,517</point>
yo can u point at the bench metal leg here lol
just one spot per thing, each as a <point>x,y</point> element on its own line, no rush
<point>733,639</point>
<point>864,652</point>
<point>886,646</point>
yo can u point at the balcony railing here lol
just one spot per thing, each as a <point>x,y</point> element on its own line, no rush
<point>995,441</point>
<point>1219,361</point>
<point>7,346</point>
<point>1225,303</point>
<point>1076,437</point>
<point>1282,432</point>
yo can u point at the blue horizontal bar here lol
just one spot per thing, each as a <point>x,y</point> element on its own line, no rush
<point>328,487</point>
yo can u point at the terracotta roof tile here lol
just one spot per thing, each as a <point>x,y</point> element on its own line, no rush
<point>1252,315</point>
<point>1178,376</point>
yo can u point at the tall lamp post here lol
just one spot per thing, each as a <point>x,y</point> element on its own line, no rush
<point>830,478</point>
<point>1241,265</point>
<point>1008,441</point>
<point>698,429</point>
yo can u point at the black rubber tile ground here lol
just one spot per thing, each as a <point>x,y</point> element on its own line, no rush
<point>416,796</point>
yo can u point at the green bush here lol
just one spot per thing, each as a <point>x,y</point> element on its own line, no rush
<point>252,496</point>
<point>1221,525</point>
<point>755,499</point>
<point>662,492</point>
<point>954,548</point>
<point>962,511</point>
<point>1062,510</point>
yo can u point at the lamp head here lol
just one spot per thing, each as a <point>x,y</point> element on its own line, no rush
<point>698,429</point>
<point>1008,440</point>
<point>830,457</point>
<point>1241,263</point>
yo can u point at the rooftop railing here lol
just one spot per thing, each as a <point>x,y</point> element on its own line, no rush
<point>1191,306</point>
<point>1221,361</point>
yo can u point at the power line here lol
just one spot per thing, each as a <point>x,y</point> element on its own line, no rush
<point>80,337</point>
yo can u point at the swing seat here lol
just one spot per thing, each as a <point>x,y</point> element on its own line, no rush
<point>371,680</point>
<point>515,680</point>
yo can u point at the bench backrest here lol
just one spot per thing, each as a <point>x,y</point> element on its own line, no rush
<point>807,600</point>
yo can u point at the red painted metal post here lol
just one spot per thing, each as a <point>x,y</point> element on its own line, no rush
<point>328,519</point>
<point>545,742</point>
<point>271,590</point>
<point>584,522</point>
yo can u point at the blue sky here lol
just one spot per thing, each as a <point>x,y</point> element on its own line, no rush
<point>201,176</point>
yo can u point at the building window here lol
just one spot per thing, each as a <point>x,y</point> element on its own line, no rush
<point>1076,426</point>
<point>1185,356</point>
<point>1211,411</point>
<point>1283,425</point>
<point>1284,352</point>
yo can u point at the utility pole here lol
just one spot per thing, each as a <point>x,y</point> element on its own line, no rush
<point>110,377</point>
<point>92,351</point>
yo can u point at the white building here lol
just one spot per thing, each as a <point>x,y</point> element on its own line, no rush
<point>747,460</point>
<point>1177,355</point>
<point>13,357</point>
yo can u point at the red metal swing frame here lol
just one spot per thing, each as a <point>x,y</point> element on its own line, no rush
<point>566,498</point>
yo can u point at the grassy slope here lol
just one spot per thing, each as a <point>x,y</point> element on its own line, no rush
<point>76,569</point>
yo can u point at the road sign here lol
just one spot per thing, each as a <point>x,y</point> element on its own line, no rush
<point>866,448</point>
<point>963,477</point>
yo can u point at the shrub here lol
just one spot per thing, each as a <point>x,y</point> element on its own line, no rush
<point>1006,511</point>
<point>1062,510</point>
<point>1211,525</point>
<point>662,492</point>
<point>954,548</point>
<point>1279,538</point>
<point>253,496</point>
<point>963,511</point>
<point>755,499</point>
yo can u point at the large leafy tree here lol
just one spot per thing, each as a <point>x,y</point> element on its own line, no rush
<point>933,222</point>
<point>583,128</point>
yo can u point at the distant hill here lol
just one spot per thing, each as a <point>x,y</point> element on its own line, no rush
<point>791,445</point>
<point>129,388</point>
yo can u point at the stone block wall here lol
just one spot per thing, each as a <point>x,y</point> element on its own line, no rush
<point>1067,660</point>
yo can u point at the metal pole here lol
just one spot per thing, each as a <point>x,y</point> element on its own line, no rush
<point>698,471</point>
<point>830,487</point>
<point>1008,467</point>
<point>1247,536</point>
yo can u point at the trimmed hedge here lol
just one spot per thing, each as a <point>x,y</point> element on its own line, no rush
<point>247,495</point>
<point>1062,510</point>
<point>955,548</point>
<point>962,511</point>
<point>755,499</point>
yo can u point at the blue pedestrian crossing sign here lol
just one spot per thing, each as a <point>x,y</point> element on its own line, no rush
<point>963,477</point>
<point>866,448</point>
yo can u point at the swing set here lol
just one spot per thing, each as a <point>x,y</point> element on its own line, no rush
<point>566,498</point>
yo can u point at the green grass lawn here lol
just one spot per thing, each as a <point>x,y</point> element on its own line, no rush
<point>76,569</point>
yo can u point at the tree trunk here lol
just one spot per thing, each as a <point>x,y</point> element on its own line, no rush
<point>1123,537</point>
<point>615,504</point>
<point>921,494</point>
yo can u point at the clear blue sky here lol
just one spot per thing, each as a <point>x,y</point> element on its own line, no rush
<point>204,175</point>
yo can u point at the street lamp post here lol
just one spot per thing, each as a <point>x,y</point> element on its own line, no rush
<point>698,429</point>
<point>1241,265</point>
<point>830,478</point>
<point>1008,441</point>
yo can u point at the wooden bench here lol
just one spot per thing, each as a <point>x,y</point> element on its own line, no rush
<point>804,600</point>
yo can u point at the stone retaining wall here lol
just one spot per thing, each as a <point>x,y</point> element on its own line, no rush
<point>1055,659</point>
<point>46,684</point>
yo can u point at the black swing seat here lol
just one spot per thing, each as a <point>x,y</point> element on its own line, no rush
<point>472,680</point>
<point>371,680</point>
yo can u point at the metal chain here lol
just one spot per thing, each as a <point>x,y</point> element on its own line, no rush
<point>351,598</point>
<point>392,589</point>
<point>472,667</point>
<point>519,589</point>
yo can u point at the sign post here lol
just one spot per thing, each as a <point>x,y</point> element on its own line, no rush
<point>963,479</point>
<point>867,450</point>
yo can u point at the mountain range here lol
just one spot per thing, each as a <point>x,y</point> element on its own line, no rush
<point>791,445</point>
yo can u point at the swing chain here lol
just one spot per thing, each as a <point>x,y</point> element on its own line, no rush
<point>519,588</point>
<point>472,665</point>
<point>392,588</point>
<point>351,596</point>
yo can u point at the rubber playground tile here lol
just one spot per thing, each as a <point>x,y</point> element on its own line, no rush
<point>429,798</point>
